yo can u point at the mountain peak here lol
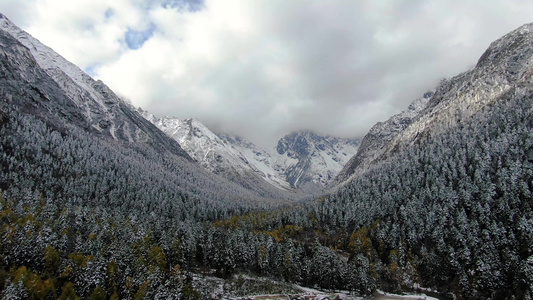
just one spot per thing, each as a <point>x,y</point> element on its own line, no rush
<point>232,157</point>
<point>191,121</point>
<point>318,159</point>
<point>515,45</point>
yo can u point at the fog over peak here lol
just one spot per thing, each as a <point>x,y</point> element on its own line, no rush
<point>261,69</point>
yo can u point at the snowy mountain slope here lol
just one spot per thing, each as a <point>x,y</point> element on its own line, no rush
<point>302,160</point>
<point>505,68</point>
<point>259,160</point>
<point>313,160</point>
<point>373,143</point>
<point>101,110</point>
<point>223,155</point>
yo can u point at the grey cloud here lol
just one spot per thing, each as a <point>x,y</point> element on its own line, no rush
<point>264,68</point>
<point>341,63</point>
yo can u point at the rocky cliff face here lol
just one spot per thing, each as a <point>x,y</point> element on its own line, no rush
<point>505,67</point>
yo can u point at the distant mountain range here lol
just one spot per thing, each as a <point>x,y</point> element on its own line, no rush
<point>302,160</point>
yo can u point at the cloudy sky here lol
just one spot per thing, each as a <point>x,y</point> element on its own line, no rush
<point>264,68</point>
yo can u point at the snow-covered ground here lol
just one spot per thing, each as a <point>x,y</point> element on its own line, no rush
<point>314,294</point>
<point>380,295</point>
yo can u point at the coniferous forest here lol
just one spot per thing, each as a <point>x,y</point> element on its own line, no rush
<point>83,215</point>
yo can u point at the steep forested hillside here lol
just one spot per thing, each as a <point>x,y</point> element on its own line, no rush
<point>454,213</point>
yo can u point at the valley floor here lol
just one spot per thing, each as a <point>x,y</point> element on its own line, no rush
<point>379,295</point>
<point>300,292</point>
<point>311,294</point>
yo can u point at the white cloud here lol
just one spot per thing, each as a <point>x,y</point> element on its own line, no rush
<point>87,32</point>
<point>19,12</point>
<point>263,68</point>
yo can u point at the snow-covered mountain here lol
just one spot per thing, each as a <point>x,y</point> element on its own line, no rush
<point>302,160</point>
<point>266,163</point>
<point>89,104</point>
<point>314,160</point>
<point>220,154</point>
<point>504,70</point>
